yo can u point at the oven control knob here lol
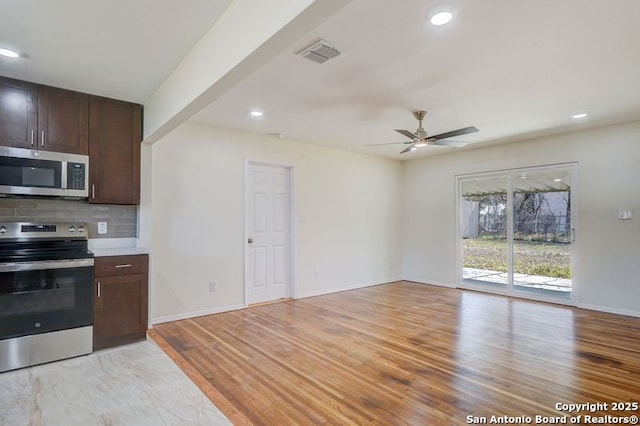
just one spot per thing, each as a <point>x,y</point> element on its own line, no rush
<point>80,228</point>
<point>72,228</point>
<point>3,229</point>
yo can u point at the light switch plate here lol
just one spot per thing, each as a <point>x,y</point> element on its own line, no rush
<point>625,214</point>
<point>102,227</point>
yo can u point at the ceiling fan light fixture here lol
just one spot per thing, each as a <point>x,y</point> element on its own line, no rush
<point>420,137</point>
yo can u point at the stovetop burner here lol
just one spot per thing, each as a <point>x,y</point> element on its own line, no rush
<point>29,242</point>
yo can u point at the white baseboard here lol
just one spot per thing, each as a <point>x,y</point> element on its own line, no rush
<point>169,318</point>
<point>429,282</point>
<point>609,310</point>
<point>305,294</point>
<point>606,309</point>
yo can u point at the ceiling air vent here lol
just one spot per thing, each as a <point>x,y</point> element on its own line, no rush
<point>320,51</point>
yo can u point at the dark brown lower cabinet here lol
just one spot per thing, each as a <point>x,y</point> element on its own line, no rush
<point>120,300</point>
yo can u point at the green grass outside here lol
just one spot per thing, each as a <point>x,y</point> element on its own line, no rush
<point>530,257</point>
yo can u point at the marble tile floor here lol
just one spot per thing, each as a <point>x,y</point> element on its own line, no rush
<point>135,384</point>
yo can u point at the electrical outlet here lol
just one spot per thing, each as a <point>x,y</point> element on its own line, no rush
<point>102,227</point>
<point>212,286</point>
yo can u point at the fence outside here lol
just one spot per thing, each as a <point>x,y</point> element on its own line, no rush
<point>546,227</point>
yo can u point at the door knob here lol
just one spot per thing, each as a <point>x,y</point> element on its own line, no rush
<point>250,240</point>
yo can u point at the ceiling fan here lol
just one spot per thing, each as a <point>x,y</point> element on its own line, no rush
<point>420,138</point>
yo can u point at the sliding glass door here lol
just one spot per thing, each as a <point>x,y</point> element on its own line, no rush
<point>516,230</point>
<point>484,231</point>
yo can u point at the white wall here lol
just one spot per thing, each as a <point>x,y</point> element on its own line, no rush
<point>607,250</point>
<point>362,220</point>
<point>347,217</point>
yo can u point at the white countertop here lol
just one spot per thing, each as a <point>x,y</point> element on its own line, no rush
<point>102,247</point>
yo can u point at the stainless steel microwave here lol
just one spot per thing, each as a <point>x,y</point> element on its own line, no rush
<point>55,174</point>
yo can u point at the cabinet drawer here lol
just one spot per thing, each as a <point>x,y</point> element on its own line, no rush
<point>121,265</point>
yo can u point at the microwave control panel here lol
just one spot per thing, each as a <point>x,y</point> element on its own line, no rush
<point>75,175</point>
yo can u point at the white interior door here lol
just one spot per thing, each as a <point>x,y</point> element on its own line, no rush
<point>268,233</point>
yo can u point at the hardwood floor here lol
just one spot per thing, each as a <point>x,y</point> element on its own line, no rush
<point>406,353</point>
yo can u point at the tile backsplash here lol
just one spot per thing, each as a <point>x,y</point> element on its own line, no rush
<point>121,220</point>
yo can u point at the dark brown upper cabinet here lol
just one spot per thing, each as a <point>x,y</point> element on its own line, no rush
<point>40,117</point>
<point>63,120</point>
<point>18,113</point>
<point>115,135</point>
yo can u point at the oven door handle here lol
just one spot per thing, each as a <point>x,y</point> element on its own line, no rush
<point>45,264</point>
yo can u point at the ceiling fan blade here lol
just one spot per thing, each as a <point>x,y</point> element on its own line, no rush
<point>409,148</point>
<point>390,143</point>
<point>459,132</point>
<point>406,133</point>
<point>455,144</point>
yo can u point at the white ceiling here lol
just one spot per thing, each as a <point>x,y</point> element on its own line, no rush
<point>121,49</point>
<point>510,68</point>
<point>514,69</point>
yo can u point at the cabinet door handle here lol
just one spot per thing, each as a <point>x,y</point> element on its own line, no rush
<point>42,138</point>
<point>124,265</point>
<point>99,290</point>
<point>93,191</point>
<point>33,132</point>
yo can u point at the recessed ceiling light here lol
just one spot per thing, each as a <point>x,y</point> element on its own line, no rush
<point>9,53</point>
<point>580,115</point>
<point>441,18</point>
<point>256,113</point>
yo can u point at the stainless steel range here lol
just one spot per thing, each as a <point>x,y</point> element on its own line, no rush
<point>46,293</point>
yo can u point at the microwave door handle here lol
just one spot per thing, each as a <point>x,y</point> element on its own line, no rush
<point>63,178</point>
